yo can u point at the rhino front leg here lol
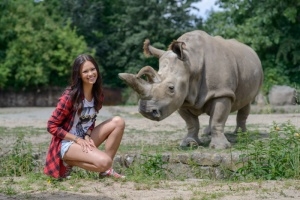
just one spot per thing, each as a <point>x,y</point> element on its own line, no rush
<point>193,126</point>
<point>219,111</point>
<point>241,118</point>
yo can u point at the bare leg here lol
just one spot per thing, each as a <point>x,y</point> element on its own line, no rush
<point>94,160</point>
<point>110,131</point>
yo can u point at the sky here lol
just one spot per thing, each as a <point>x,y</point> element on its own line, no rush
<point>205,6</point>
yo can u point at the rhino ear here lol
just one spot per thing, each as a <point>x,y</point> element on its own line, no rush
<point>177,47</point>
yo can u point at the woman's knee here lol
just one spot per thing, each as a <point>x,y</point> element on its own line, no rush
<point>103,164</point>
<point>119,121</point>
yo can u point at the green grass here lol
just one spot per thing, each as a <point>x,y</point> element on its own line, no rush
<point>19,160</point>
<point>27,131</point>
<point>272,158</point>
<point>275,157</point>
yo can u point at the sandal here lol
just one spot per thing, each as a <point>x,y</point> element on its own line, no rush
<point>111,173</point>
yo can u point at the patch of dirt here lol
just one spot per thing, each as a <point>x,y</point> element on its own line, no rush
<point>172,129</point>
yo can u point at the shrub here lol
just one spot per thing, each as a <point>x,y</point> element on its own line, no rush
<point>272,158</point>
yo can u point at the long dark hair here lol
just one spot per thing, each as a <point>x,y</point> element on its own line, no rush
<point>76,86</point>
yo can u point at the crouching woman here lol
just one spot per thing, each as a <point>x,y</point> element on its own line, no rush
<point>75,138</point>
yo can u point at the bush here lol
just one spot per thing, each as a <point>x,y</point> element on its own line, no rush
<point>273,158</point>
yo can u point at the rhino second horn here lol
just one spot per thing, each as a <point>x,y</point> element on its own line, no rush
<point>150,73</point>
<point>150,50</point>
<point>139,85</point>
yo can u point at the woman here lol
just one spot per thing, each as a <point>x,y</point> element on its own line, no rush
<point>76,139</point>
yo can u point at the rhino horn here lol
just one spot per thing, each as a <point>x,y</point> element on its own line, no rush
<point>151,75</point>
<point>150,50</point>
<point>138,84</point>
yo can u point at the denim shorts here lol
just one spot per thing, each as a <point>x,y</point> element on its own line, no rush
<point>65,145</point>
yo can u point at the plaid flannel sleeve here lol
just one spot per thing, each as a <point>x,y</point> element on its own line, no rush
<point>60,116</point>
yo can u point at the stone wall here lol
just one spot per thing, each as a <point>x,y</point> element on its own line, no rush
<point>47,97</point>
<point>212,165</point>
<point>206,165</point>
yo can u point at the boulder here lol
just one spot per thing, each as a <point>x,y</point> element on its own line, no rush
<point>281,95</point>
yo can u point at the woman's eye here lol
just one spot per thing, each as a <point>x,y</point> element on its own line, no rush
<point>87,71</point>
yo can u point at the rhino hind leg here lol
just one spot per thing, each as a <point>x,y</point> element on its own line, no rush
<point>241,118</point>
<point>219,112</point>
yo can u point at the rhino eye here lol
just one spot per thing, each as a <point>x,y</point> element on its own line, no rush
<point>171,88</point>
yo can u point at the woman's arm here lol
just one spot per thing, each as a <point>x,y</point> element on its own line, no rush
<point>61,114</point>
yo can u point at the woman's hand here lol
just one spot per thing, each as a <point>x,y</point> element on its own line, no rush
<point>86,144</point>
<point>89,139</point>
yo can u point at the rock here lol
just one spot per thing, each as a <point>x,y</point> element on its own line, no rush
<point>260,100</point>
<point>280,95</point>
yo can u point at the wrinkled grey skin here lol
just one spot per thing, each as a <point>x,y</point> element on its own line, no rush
<point>199,74</point>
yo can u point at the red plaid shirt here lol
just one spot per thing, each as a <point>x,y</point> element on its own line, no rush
<point>60,122</point>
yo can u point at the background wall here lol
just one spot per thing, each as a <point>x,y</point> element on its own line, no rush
<point>48,97</point>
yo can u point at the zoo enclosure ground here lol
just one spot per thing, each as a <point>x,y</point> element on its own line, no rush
<point>188,189</point>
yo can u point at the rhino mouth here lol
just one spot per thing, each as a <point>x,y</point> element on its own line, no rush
<point>150,112</point>
<point>153,115</point>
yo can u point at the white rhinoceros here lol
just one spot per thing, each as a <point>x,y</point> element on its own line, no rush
<point>199,74</point>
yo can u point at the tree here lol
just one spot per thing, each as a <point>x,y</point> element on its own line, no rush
<point>271,27</point>
<point>41,38</point>
<point>118,28</point>
<point>35,51</point>
<point>161,21</point>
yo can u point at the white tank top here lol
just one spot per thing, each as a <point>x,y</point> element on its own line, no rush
<point>83,122</point>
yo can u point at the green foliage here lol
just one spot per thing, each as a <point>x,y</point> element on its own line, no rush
<point>134,21</point>
<point>39,41</point>
<point>36,51</point>
<point>274,75</point>
<point>274,158</point>
<point>118,28</point>
<point>19,161</point>
<point>149,167</point>
<point>271,27</point>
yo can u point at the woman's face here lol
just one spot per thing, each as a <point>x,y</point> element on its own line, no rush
<point>88,73</point>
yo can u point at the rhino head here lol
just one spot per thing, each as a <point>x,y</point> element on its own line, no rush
<point>161,93</point>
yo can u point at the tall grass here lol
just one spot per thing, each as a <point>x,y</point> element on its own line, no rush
<point>151,167</point>
<point>272,158</point>
<point>18,160</point>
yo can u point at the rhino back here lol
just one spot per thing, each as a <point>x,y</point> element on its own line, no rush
<point>221,68</point>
